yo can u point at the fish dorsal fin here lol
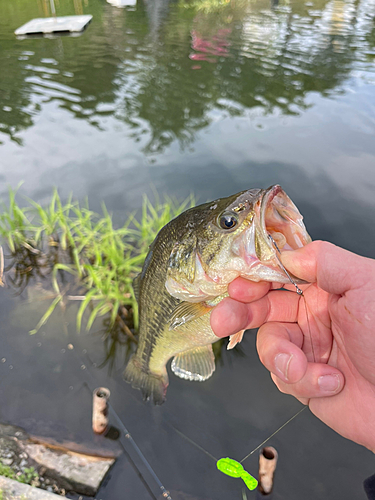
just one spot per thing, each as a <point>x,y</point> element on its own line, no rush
<point>195,364</point>
<point>136,285</point>
<point>187,311</point>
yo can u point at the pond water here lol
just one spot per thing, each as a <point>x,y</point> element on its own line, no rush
<point>207,97</point>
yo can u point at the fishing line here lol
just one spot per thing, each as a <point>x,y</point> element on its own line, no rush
<point>199,447</point>
<point>308,324</point>
<point>298,290</point>
<point>227,465</point>
<point>130,440</point>
<point>193,442</point>
<point>274,434</point>
<point>233,467</point>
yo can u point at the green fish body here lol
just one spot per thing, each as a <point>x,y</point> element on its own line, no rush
<point>187,272</point>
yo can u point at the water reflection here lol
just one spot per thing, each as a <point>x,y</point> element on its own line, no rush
<point>205,48</point>
<point>163,69</point>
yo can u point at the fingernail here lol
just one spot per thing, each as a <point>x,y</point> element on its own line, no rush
<point>282,362</point>
<point>329,383</point>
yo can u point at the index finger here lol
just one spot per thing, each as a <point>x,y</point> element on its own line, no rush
<point>245,290</point>
<point>231,316</point>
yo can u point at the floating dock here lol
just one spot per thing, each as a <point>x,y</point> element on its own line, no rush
<point>49,25</point>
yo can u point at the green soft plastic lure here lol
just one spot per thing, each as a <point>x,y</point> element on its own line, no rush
<point>233,468</point>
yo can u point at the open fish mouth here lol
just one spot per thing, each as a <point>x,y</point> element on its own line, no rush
<point>268,222</point>
<point>281,228</point>
<point>281,219</point>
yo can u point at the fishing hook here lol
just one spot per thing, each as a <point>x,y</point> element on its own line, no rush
<point>298,290</point>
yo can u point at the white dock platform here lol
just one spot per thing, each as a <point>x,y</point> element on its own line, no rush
<point>48,25</point>
<point>123,3</point>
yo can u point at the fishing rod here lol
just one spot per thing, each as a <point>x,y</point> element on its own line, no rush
<point>129,441</point>
<point>227,466</point>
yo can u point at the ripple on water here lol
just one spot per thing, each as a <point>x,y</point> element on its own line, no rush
<point>138,68</point>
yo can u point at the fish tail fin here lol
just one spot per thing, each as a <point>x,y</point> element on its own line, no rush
<point>152,386</point>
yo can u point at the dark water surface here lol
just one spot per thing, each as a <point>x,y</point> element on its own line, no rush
<point>210,97</point>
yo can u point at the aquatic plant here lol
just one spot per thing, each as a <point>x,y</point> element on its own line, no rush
<point>81,257</point>
<point>81,251</point>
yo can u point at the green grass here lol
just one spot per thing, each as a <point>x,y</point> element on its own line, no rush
<point>27,477</point>
<point>83,255</point>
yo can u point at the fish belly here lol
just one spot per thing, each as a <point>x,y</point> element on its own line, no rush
<point>193,334</point>
<point>190,339</point>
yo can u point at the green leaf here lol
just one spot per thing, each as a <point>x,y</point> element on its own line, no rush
<point>46,315</point>
<point>83,307</point>
<point>94,313</point>
<point>116,305</point>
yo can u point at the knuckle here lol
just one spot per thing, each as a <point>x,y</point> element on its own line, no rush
<point>322,246</point>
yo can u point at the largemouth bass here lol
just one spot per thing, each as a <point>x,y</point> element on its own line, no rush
<point>187,272</point>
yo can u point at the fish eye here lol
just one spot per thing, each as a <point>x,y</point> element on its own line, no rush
<point>228,220</point>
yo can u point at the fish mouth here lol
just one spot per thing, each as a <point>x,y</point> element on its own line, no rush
<point>281,225</point>
<point>281,219</point>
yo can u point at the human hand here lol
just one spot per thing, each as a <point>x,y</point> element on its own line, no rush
<point>319,347</point>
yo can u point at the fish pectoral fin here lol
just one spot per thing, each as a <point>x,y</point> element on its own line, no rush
<point>235,339</point>
<point>187,311</point>
<point>195,364</point>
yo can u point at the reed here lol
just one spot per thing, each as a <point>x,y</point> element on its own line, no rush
<point>81,255</point>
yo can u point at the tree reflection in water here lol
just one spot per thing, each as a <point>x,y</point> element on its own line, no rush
<point>139,66</point>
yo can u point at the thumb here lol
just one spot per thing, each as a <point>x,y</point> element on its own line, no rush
<point>334,269</point>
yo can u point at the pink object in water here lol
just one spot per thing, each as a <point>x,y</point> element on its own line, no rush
<point>202,57</point>
<point>216,46</point>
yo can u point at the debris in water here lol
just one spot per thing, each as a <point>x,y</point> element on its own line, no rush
<point>100,417</point>
<point>267,465</point>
